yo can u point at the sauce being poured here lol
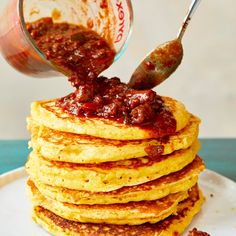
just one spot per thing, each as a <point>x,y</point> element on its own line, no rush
<point>74,49</point>
<point>84,55</point>
<point>112,99</point>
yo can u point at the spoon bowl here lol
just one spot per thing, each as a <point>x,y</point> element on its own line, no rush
<point>157,66</point>
<point>163,60</point>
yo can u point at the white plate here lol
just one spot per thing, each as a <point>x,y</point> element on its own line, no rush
<point>218,215</point>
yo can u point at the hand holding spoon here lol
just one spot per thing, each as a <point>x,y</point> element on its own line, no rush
<point>163,60</point>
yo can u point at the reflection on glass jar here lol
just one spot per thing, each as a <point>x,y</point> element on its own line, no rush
<point>111,19</point>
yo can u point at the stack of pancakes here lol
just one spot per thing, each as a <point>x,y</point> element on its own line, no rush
<point>94,176</point>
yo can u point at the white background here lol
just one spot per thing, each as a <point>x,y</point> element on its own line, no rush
<point>205,82</point>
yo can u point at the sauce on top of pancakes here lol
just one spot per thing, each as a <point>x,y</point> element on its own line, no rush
<point>84,54</point>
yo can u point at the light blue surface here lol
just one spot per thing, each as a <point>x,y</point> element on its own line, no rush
<point>218,154</point>
<point>13,154</point>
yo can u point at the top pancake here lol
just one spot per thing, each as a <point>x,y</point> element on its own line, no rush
<point>77,148</point>
<point>49,115</point>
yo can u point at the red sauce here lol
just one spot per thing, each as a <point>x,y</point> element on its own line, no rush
<point>112,99</point>
<point>149,66</point>
<point>196,232</point>
<point>84,54</point>
<point>72,48</point>
<point>154,151</point>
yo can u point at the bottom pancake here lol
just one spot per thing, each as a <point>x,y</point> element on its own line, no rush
<point>173,225</point>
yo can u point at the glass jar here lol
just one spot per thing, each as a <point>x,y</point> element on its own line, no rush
<point>111,19</point>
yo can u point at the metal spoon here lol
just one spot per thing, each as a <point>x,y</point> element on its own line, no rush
<point>163,60</point>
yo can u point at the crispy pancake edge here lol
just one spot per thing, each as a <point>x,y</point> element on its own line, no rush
<point>132,213</point>
<point>173,225</point>
<point>108,177</point>
<point>161,187</point>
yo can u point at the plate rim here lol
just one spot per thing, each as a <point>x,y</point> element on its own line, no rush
<point>12,175</point>
<point>16,174</point>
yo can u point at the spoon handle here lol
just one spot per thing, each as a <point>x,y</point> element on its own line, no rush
<point>188,17</point>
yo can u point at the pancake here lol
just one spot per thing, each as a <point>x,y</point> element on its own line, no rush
<point>68,147</point>
<point>173,225</point>
<point>132,213</point>
<point>47,114</point>
<point>156,189</point>
<point>108,176</point>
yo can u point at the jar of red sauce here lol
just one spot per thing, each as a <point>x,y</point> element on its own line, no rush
<point>111,19</point>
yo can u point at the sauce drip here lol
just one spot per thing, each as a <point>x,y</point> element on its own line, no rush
<point>196,232</point>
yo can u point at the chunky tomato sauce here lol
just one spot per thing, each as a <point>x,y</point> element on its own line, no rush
<point>72,48</point>
<point>84,55</point>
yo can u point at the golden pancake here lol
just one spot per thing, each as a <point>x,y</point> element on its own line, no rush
<point>47,114</point>
<point>173,225</point>
<point>132,213</point>
<point>68,147</point>
<point>108,176</point>
<point>161,187</point>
